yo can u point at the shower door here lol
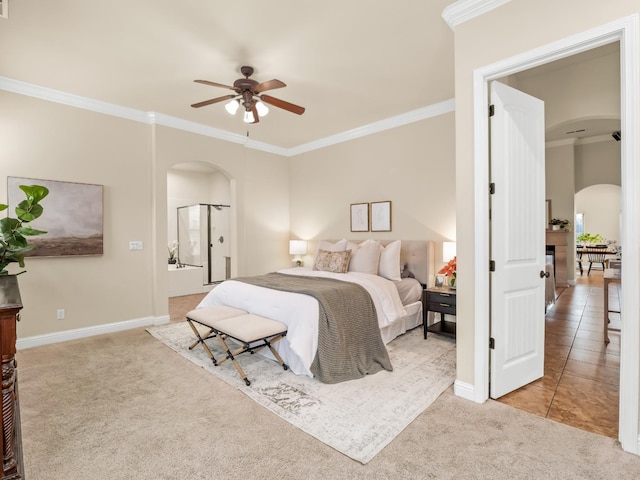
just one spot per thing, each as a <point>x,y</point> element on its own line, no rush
<point>203,240</point>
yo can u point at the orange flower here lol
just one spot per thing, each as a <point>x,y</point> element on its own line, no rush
<point>450,268</point>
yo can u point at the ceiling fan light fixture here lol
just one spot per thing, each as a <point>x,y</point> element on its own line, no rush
<point>248,116</point>
<point>262,109</point>
<point>232,107</point>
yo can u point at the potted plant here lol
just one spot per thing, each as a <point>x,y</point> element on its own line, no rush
<point>559,223</point>
<point>14,231</point>
<point>590,239</point>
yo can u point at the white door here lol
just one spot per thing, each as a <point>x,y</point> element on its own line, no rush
<point>517,239</point>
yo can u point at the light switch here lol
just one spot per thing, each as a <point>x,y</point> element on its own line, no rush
<point>135,245</point>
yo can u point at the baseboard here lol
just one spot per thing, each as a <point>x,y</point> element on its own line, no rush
<point>465,390</point>
<point>66,335</point>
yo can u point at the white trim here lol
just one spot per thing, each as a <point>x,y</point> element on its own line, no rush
<point>434,110</point>
<point>154,118</point>
<point>66,335</point>
<point>625,31</point>
<point>464,390</point>
<point>463,10</point>
<point>44,93</point>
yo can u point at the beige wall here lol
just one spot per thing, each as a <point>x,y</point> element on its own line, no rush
<point>600,205</point>
<point>514,28</point>
<point>559,188</point>
<point>597,163</point>
<point>412,166</point>
<point>50,141</point>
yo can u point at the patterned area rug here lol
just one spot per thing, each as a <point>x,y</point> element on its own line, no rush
<point>359,417</point>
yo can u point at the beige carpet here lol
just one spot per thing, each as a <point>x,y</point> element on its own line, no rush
<point>358,418</point>
<point>125,406</point>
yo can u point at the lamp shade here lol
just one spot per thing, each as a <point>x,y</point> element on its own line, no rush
<point>297,247</point>
<point>448,251</point>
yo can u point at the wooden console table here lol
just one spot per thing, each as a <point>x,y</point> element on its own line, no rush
<point>11,438</point>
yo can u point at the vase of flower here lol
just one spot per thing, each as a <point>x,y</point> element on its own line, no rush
<point>450,271</point>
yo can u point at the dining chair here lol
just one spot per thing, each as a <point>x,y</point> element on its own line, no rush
<point>596,255</point>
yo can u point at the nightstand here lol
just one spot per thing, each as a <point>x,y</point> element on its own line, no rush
<point>441,300</point>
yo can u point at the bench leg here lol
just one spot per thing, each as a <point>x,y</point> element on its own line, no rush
<point>231,356</point>
<point>201,340</point>
<point>273,350</point>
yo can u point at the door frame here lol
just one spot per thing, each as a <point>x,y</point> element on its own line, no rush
<point>625,31</point>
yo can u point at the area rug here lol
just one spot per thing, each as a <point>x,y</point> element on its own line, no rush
<point>359,417</point>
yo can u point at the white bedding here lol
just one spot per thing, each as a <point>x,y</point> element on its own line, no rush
<point>300,312</point>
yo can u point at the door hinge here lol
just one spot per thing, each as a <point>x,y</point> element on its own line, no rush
<point>492,110</point>
<point>492,188</point>
<point>492,265</point>
<point>492,343</point>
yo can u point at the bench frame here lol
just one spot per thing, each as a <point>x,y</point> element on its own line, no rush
<point>251,346</point>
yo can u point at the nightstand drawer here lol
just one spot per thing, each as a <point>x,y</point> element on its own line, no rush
<point>441,297</point>
<point>442,308</point>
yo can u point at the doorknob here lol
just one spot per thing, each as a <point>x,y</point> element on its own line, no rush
<point>544,274</point>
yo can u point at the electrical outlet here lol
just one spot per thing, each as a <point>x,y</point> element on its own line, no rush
<point>60,314</point>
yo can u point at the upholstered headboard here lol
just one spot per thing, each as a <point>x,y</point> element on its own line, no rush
<point>419,255</point>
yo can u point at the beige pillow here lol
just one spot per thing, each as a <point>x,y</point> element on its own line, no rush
<point>365,257</point>
<point>390,261</point>
<point>335,262</point>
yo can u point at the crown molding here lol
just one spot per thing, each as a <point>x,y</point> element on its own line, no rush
<point>44,93</point>
<point>463,10</point>
<point>434,110</point>
<point>154,118</point>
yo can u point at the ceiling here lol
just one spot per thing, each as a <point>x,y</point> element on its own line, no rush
<point>347,62</point>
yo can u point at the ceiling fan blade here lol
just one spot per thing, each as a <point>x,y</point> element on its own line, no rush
<point>276,102</point>
<point>214,84</point>
<point>256,117</point>
<point>269,85</point>
<point>213,100</point>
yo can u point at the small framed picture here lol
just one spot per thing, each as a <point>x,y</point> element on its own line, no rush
<point>439,281</point>
<point>359,217</point>
<point>381,216</point>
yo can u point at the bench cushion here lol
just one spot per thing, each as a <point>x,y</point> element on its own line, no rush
<point>249,328</point>
<point>212,315</point>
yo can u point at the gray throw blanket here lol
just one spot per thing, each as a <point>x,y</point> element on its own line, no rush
<point>349,341</point>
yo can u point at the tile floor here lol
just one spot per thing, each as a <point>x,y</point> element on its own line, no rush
<point>582,374</point>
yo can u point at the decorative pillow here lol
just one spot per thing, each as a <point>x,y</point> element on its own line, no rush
<point>365,257</point>
<point>336,262</point>
<point>390,261</point>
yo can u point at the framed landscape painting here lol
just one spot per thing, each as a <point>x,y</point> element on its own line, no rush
<point>72,217</point>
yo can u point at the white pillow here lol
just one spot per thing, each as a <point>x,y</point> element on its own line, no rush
<point>365,257</point>
<point>390,261</point>
<point>339,246</point>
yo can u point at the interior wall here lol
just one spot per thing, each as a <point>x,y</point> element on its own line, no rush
<point>510,30</point>
<point>412,166</point>
<point>51,141</point>
<point>601,207</point>
<point>598,162</point>
<point>560,188</point>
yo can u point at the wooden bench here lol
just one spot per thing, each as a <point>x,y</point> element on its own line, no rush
<point>253,332</point>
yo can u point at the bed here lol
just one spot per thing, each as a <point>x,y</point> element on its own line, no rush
<point>395,289</point>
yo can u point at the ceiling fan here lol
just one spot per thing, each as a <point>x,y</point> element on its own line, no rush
<point>249,95</point>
